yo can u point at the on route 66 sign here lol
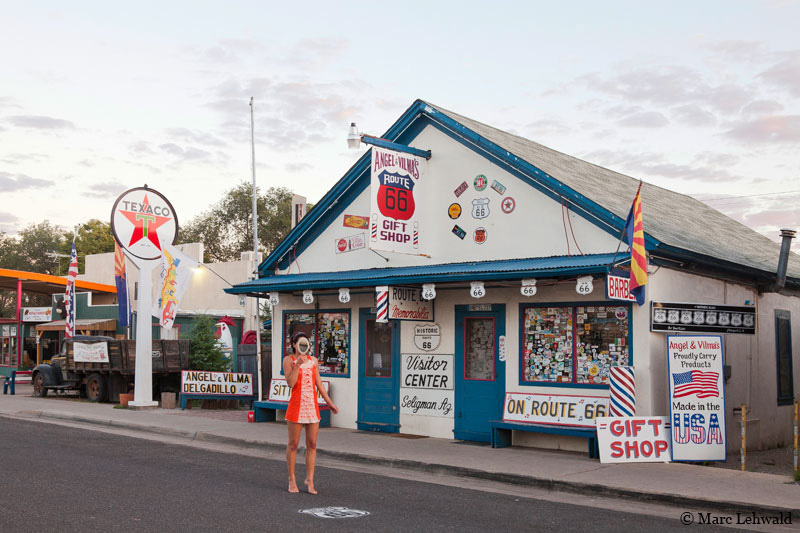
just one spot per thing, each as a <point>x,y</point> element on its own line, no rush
<point>142,219</point>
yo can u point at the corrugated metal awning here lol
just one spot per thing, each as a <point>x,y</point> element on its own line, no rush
<point>510,269</point>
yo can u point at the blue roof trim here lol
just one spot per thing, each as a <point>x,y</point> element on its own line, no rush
<point>349,183</point>
<point>509,269</point>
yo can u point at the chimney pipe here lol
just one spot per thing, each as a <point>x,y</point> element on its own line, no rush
<point>783,260</point>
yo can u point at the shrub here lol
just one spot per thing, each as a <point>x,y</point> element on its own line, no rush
<point>205,353</point>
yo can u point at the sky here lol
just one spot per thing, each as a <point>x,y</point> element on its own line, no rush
<point>98,97</point>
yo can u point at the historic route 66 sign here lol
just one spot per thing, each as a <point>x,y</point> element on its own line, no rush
<point>308,297</point>
<point>428,291</point>
<point>274,299</point>
<point>344,295</point>
<point>476,289</point>
<point>480,208</point>
<point>396,195</point>
<point>528,287</point>
<point>584,285</point>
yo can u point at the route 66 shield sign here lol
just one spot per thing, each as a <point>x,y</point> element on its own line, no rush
<point>480,208</point>
<point>396,195</point>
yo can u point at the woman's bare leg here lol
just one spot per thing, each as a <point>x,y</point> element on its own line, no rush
<point>291,452</point>
<point>311,454</point>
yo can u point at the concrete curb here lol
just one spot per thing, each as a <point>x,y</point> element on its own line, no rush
<point>577,487</point>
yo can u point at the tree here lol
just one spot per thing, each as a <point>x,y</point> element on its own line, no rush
<point>226,230</point>
<point>205,353</point>
<point>35,250</point>
<point>94,237</point>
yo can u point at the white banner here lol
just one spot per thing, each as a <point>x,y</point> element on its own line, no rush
<point>96,352</point>
<point>279,391</point>
<point>396,188</point>
<point>37,314</point>
<point>696,397</point>
<point>560,410</point>
<point>177,271</point>
<point>216,383</point>
<point>426,385</point>
<point>633,439</point>
<point>406,303</point>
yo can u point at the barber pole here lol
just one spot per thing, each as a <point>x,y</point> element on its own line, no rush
<point>623,391</point>
<point>382,298</point>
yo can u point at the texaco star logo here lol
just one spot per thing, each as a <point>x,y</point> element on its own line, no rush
<point>508,204</point>
<point>142,220</point>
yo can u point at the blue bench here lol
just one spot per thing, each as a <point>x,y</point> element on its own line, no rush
<point>501,433</point>
<point>267,412</point>
<point>10,383</point>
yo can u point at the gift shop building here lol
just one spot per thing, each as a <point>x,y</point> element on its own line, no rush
<point>437,279</point>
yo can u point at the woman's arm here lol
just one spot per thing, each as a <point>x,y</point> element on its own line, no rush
<point>322,391</point>
<point>291,370</point>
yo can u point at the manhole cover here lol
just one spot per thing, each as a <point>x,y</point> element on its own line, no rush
<point>334,512</point>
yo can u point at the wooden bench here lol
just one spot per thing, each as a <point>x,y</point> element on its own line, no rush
<point>501,433</point>
<point>267,412</point>
<point>9,384</point>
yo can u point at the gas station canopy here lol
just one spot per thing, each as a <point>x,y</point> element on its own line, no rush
<point>45,284</point>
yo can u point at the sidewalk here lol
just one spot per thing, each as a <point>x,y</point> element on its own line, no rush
<point>677,484</point>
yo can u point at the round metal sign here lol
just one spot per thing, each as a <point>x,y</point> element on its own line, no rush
<point>142,220</point>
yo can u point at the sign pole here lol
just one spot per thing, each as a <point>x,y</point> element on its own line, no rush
<point>143,384</point>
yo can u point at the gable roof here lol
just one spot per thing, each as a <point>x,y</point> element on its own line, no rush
<point>676,226</point>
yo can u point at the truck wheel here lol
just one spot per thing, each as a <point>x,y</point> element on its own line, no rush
<point>96,388</point>
<point>38,386</point>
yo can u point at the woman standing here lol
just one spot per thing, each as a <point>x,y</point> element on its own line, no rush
<point>302,375</point>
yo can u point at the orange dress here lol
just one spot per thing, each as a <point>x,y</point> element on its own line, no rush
<point>303,407</point>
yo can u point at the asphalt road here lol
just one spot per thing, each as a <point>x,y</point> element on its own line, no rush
<point>60,478</point>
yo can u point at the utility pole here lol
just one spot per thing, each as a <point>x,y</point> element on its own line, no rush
<point>255,251</point>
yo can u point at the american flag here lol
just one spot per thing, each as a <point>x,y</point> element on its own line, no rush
<point>703,384</point>
<point>69,294</point>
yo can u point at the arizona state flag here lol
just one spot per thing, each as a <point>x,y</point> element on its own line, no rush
<point>635,230</point>
<point>121,281</point>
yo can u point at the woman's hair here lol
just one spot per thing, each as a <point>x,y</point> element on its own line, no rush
<point>297,336</point>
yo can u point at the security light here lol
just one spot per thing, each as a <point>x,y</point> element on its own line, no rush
<point>353,137</point>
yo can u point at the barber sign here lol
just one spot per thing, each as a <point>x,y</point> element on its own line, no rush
<point>397,184</point>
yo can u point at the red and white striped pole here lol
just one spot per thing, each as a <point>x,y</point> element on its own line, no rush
<point>622,401</point>
<point>382,299</point>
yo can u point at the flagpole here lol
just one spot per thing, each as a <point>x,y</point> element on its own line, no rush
<point>255,251</point>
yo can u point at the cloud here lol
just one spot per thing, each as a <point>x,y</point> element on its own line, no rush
<point>738,51</point>
<point>228,50</point>
<point>6,102</point>
<point>107,189</point>
<point>693,115</point>
<point>716,159</point>
<point>289,114</point>
<point>185,154</point>
<point>8,222</point>
<point>669,85</point>
<point>15,159</point>
<point>194,136</point>
<point>762,107</point>
<point>770,129</point>
<point>650,165</point>
<point>19,182</point>
<point>298,167</point>
<point>645,119</point>
<point>86,163</point>
<point>39,122</point>
<point>786,73</point>
<point>141,147</point>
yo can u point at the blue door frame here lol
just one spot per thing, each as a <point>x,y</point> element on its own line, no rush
<point>478,401</point>
<point>378,397</point>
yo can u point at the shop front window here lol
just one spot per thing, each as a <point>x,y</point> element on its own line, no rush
<point>329,333</point>
<point>578,345</point>
<point>479,349</point>
<point>378,362</point>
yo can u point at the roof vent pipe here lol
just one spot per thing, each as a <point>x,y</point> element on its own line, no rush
<point>783,260</point>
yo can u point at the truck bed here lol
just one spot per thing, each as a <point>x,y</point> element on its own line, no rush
<point>168,356</point>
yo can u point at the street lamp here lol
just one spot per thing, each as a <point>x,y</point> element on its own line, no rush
<point>355,138</point>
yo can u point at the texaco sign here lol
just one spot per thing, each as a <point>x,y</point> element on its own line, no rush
<point>142,220</point>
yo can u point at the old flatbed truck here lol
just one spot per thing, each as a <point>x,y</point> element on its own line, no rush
<point>102,382</point>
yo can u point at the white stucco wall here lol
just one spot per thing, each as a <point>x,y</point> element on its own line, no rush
<point>533,229</point>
